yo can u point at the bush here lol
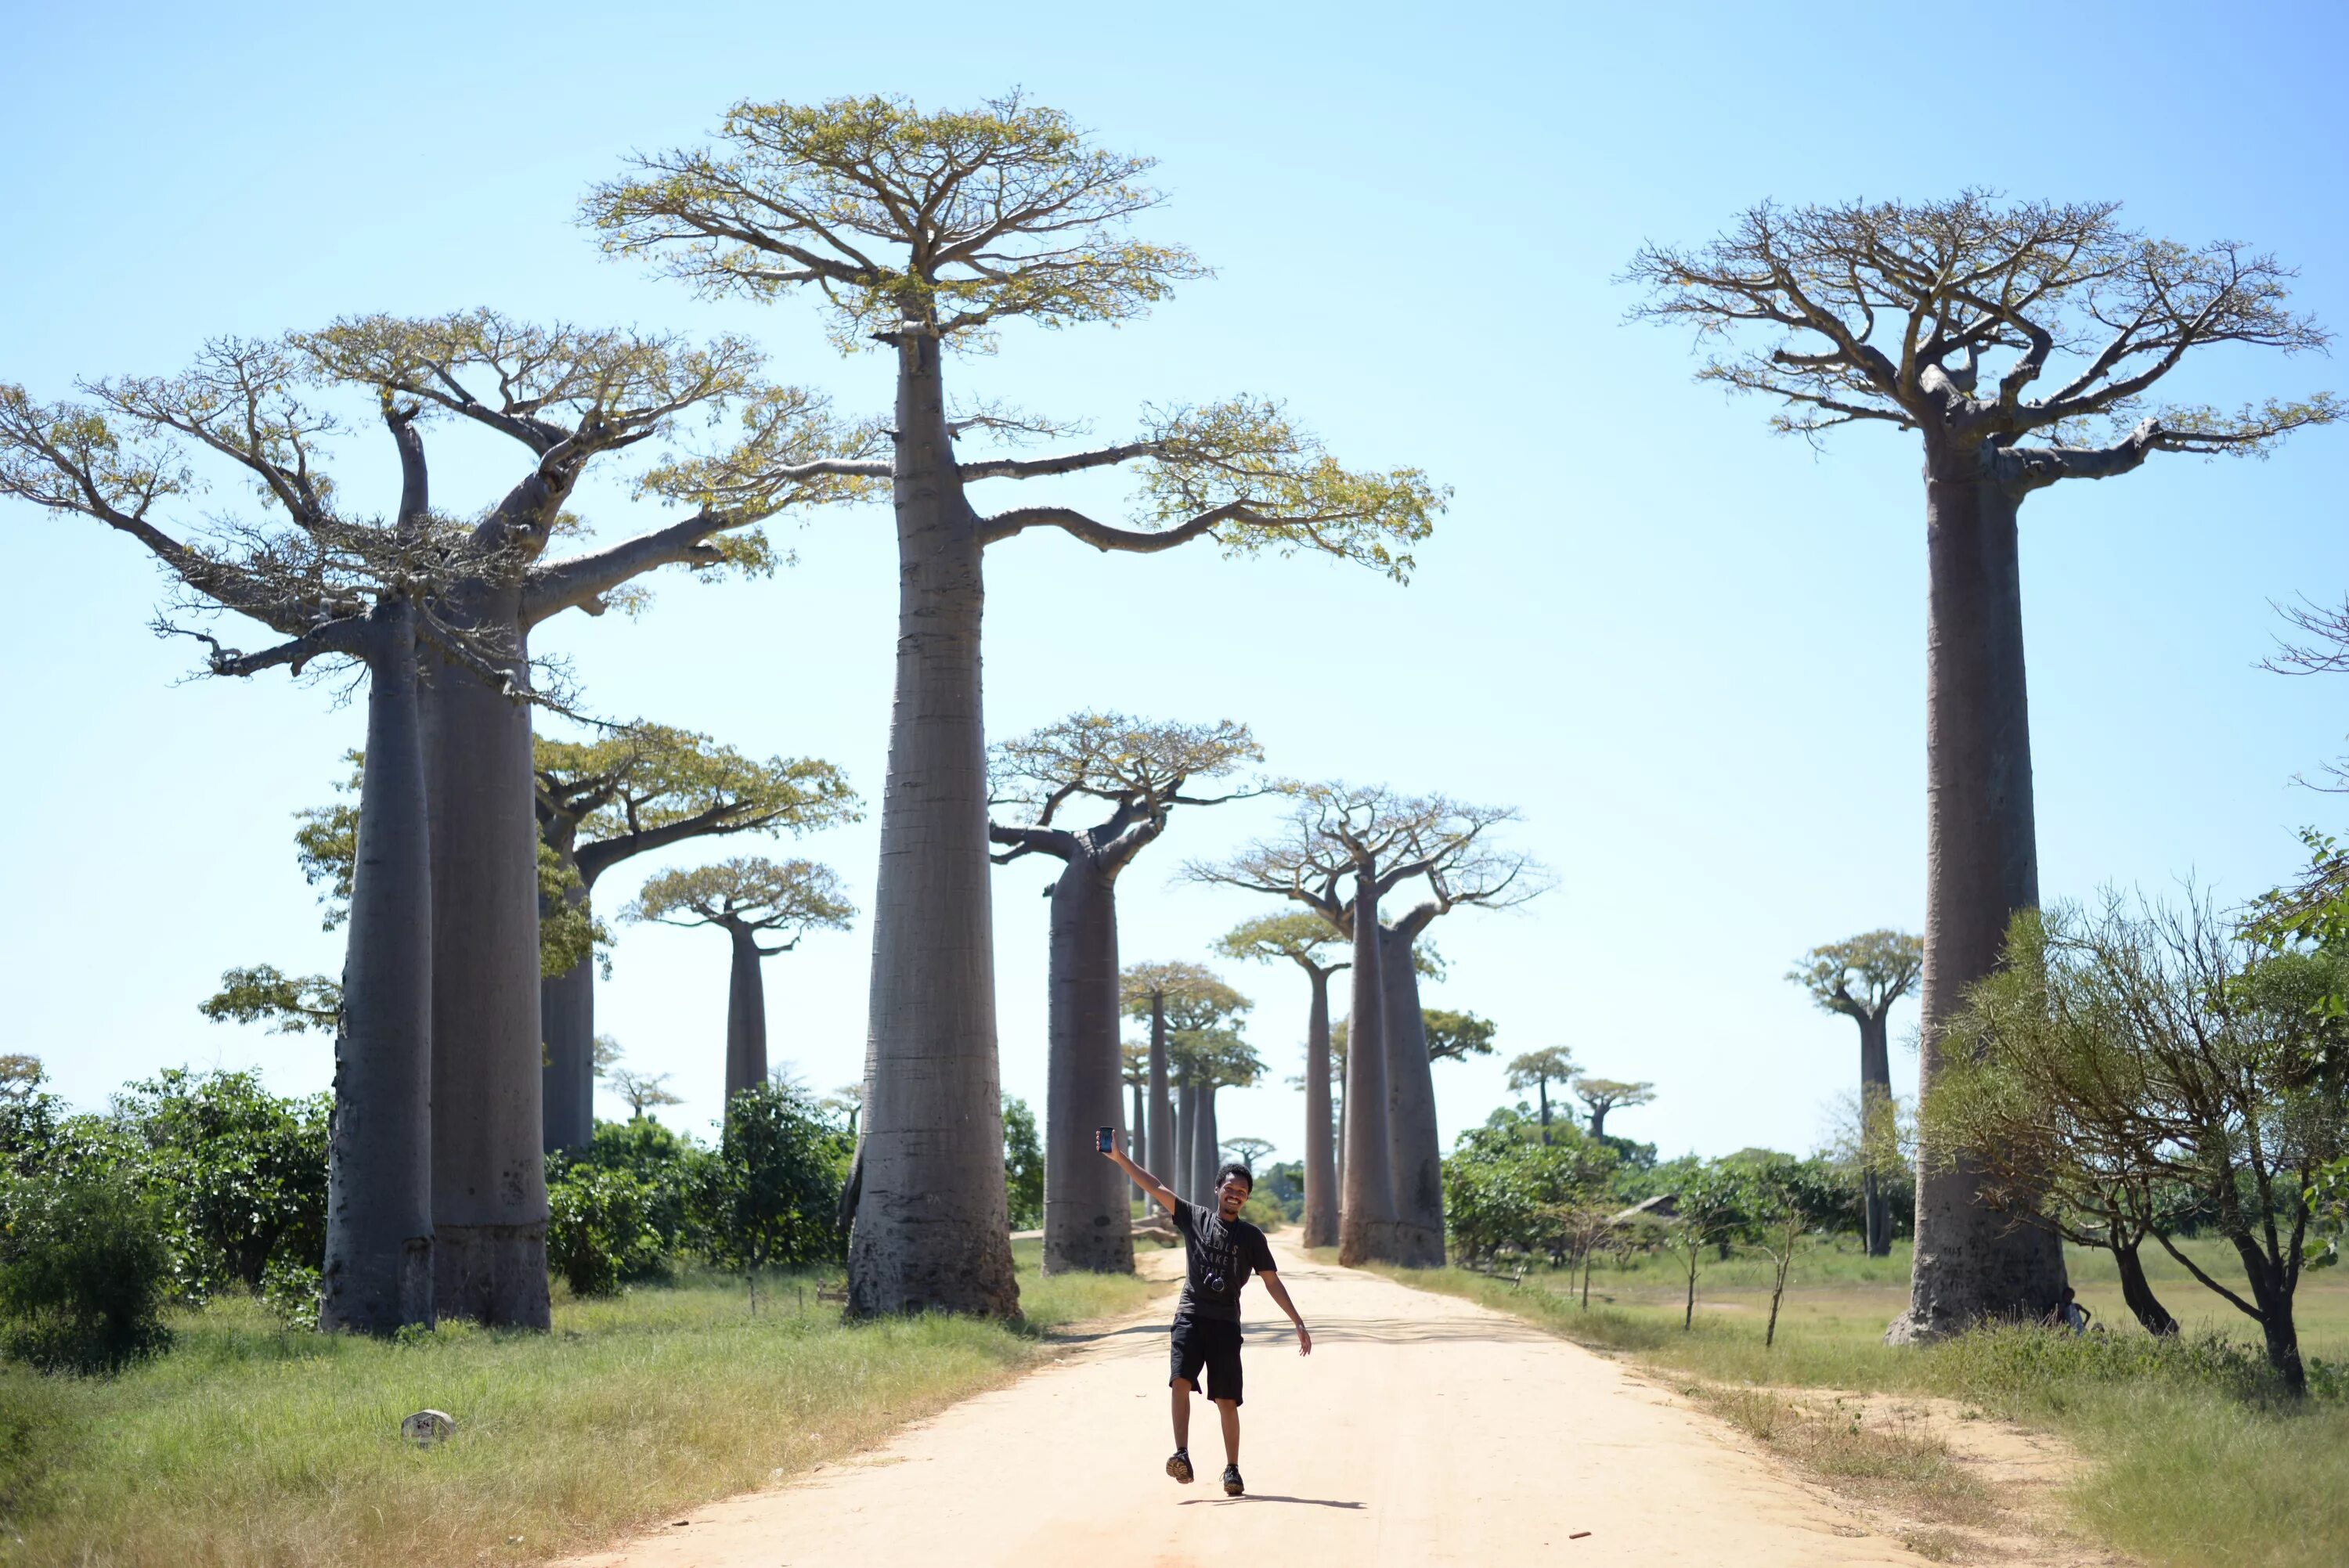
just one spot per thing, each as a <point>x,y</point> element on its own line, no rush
<point>666,1162</point>
<point>85,1268</point>
<point>771,1197</point>
<point>599,1233</point>
<point>1023,1166</point>
<point>241,1173</point>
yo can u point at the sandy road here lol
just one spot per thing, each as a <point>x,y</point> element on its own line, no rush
<point>1423,1429</point>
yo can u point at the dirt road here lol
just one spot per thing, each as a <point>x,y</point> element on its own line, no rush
<point>1423,1429</point>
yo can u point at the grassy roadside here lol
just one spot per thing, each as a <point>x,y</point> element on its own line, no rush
<point>250,1447</point>
<point>2189,1463</point>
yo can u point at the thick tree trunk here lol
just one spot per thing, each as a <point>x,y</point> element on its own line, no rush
<point>1598,1121</point>
<point>2136,1293</point>
<point>1088,1219</point>
<point>488,1173</point>
<point>1414,1145</point>
<point>1199,1138</point>
<point>1366,1220</point>
<point>567,1013</point>
<point>1320,1156</point>
<point>1972,1262</point>
<point>932,1230</point>
<point>1139,1139</point>
<point>2271,1295</point>
<point>1541,1088</point>
<point>1875,1127</point>
<point>378,1263</point>
<point>746,1014</point>
<point>1163,1161</point>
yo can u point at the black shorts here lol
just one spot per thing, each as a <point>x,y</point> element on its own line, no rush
<point>1213,1343</point>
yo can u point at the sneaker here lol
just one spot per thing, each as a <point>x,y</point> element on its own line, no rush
<point>1179,1467</point>
<point>1233,1485</point>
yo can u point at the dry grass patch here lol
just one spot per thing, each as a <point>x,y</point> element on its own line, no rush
<point>1889,1458</point>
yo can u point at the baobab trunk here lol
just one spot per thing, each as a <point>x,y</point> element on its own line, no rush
<point>932,1230</point>
<point>1875,1127</point>
<point>1321,1157</point>
<point>377,1276</point>
<point>1163,1161</point>
<point>1972,1262</point>
<point>746,1015</point>
<point>1088,1219</point>
<point>489,1171</point>
<point>1139,1139</point>
<point>1199,1146</point>
<point>1366,1220</point>
<point>566,1011</point>
<point>1414,1147</point>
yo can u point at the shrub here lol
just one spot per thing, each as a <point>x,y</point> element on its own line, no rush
<point>85,1271</point>
<point>599,1235</point>
<point>666,1162</point>
<point>1023,1165</point>
<point>241,1171</point>
<point>770,1196</point>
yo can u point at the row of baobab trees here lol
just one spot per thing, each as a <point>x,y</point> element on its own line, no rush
<point>2022,342</point>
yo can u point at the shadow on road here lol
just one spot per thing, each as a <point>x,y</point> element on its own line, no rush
<point>1268,1497</point>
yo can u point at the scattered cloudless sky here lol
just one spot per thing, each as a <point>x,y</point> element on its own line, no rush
<point>1691,651</point>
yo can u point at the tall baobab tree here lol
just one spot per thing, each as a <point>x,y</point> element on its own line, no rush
<point>746,898</point>
<point>1599,1096</point>
<point>1139,771</point>
<point>1943,318</point>
<point>570,399</point>
<point>1133,1070</point>
<point>1303,939</point>
<point>1208,1060</point>
<point>340,592</point>
<point>1861,977</point>
<point>645,788</point>
<point>1537,1070</point>
<point>927,233</point>
<point>1175,997</point>
<point>1377,840</point>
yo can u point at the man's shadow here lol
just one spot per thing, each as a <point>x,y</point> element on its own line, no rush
<point>1269,1497</point>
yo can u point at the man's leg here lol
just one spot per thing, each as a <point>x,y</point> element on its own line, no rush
<point>1183,1414</point>
<point>1229,1410</point>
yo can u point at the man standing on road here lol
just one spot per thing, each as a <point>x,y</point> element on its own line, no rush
<point>1221,1251</point>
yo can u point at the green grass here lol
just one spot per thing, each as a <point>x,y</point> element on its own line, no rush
<point>251,1447</point>
<point>2191,1459</point>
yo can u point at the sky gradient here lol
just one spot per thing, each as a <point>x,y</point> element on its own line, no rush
<point>1692,652</point>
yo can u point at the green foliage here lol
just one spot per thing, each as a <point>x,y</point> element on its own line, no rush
<point>771,1197</point>
<point>568,931</point>
<point>288,1004</point>
<point>1861,974</point>
<point>242,1171</point>
<point>1192,996</point>
<point>1023,1165</point>
<point>84,1270</point>
<point>1301,938</point>
<point>599,1229</point>
<point>748,891</point>
<point>1284,1185</point>
<point>1456,1036</point>
<point>1504,1192</point>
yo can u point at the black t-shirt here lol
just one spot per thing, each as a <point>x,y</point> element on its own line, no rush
<point>1221,1254</point>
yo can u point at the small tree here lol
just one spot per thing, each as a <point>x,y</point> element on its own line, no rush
<point>1456,1036</point>
<point>1138,772</point>
<point>1305,939</point>
<point>1248,1152</point>
<point>772,1197</point>
<point>644,1092</point>
<point>1861,977</point>
<point>1023,1165</point>
<point>1707,1215</point>
<point>1537,1070</point>
<point>1599,1096</point>
<point>746,897</point>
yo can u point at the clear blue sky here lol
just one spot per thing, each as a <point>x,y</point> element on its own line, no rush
<point>1692,652</point>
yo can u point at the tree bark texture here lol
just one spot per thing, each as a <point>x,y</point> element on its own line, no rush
<point>1972,1262</point>
<point>2136,1293</point>
<point>489,1172</point>
<point>377,1274</point>
<point>1087,1218</point>
<point>1366,1219</point>
<point>746,1014</point>
<point>1199,1149</point>
<point>1414,1145</point>
<point>1875,1123</point>
<point>931,1229</point>
<point>1163,1161</point>
<point>1320,1154</point>
<point>566,1011</point>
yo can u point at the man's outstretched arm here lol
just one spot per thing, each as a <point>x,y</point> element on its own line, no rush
<point>1150,1184</point>
<point>1279,1293</point>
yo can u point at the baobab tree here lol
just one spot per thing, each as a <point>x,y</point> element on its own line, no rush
<point>570,399</point>
<point>1861,977</point>
<point>645,788</point>
<point>1174,997</point>
<point>1207,1060</point>
<point>1139,771</point>
<point>1537,1070</point>
<point>1377,839</point>
<point>927,233</point>
<point>340,592</point>
<point>747,897</point>
<point>1133,1071</point>
<point>1599,1096</point>
<point>1303,939</point>
<point>1941,318</point>
<point>1456,1036</point>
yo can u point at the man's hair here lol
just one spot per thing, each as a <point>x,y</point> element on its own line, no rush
<point>1234,1167</point>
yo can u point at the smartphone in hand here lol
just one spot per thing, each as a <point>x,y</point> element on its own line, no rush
<point>1105,1139</point>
